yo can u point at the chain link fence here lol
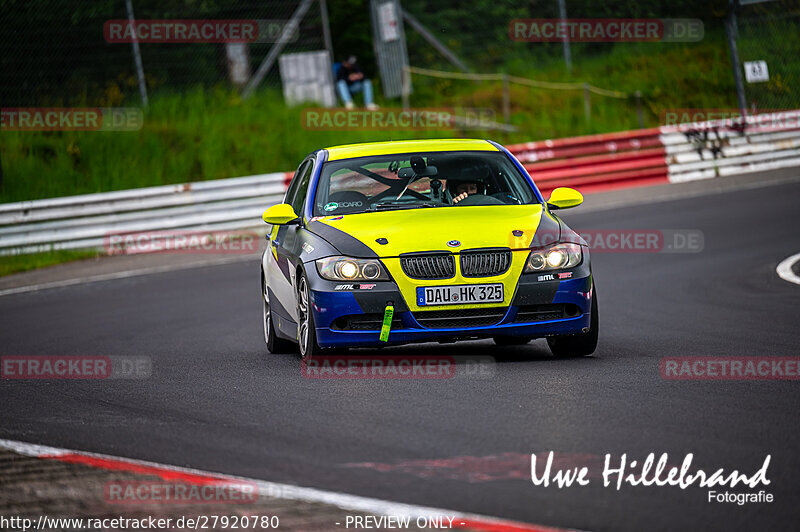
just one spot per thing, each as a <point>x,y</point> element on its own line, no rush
<point>56,53</point>
<point>557,101</point>
<point>771,33</point>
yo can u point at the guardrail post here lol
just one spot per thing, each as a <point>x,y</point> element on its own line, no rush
<point>587,106</point>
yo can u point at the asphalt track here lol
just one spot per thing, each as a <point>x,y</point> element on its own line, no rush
<point>217,402</point>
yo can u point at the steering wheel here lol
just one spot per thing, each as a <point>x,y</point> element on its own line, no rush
<point>480,199</point>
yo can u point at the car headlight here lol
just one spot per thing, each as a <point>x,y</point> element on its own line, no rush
<point>350,269</point>
<point>555,257</point>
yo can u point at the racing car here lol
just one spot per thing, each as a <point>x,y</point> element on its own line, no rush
<point>391,243</point>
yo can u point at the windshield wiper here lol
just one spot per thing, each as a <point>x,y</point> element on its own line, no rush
<point>390,206</point>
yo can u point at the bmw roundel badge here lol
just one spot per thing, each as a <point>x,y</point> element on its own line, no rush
<point>454,243</point>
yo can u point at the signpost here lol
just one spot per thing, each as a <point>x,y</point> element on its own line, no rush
<point>756,71</point>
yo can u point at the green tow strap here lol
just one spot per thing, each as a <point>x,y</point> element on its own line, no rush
<point>387,321</point>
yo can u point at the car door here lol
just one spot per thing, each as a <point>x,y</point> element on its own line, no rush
<point>284,247</point>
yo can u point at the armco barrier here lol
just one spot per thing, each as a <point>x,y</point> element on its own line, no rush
<point>77,222</point>
<point>716,148</point>
<point>589,163</point>
<point>596,162</point>
<point>672,154</point>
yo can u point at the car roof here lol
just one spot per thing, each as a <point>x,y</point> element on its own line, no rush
<point>350,151</point>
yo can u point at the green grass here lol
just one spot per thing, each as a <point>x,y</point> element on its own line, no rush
<point>669,76</point>
<point>194,136</point>
<point>212,134</point>
<point>21,263</point>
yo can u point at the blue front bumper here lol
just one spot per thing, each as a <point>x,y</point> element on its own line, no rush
<point>329,305</point>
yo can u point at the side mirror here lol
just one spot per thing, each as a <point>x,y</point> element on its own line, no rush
<point>280,214</point>
<point>564,198</point>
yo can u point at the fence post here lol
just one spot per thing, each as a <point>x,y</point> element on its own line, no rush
<point>406,87</point>
<point>326,29</point>
<point>506,100</point>
<point>137,56</point>
<point>428,36</point>
<point>587,106</point>
<point>562,15</point>
<point>731,31</point>
<point>290,27</point>
<point>639,116</point>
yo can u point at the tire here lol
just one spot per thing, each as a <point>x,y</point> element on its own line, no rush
<point>306,330</point>
<point>275,345</point>
<point>579,345</point>
<point>508,341</point>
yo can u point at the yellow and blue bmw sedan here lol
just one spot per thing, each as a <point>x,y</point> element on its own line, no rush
<point>427,240</point>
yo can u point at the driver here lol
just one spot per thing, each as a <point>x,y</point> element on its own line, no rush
<point>464,189</point>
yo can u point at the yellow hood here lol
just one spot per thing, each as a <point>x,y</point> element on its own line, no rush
<point>430,229</point>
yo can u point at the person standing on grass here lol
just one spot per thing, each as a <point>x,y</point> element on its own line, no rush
<point>350,80</point>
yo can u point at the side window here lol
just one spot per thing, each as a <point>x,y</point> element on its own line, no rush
<point>303,177</point>
<point>290,192</point>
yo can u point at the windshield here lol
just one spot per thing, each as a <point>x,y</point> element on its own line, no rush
<point>411,181</point>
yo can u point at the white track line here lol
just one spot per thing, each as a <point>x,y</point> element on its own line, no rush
<point>784,269</point>
<point>298,493</point>
<point>683,194</point>
<point>123,275</point>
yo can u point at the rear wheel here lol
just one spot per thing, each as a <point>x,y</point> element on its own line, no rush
<point>579,345</point>
<point>275,344</point>
<point>307,332</point>
<point>508,341</point>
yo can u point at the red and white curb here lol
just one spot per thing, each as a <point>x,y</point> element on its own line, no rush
<point>272,489</point>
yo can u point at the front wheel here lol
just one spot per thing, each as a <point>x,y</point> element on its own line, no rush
<point>275,344</point>
<point>306,330</point>
<point>579,345</point>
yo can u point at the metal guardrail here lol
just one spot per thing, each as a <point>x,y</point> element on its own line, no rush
<point>667,154</point>
<point>594,162</point>
<point>716,148</point>
<point>82,222</point>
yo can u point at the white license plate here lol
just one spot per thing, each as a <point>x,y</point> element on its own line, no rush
<point>464,294</point>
